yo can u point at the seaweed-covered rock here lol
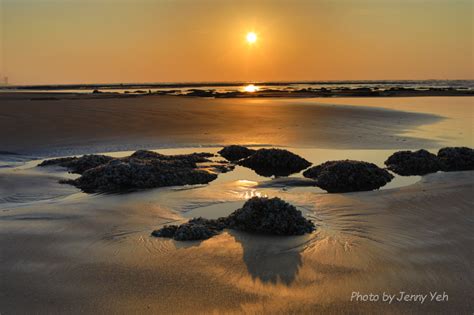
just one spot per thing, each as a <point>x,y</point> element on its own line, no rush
<point>131,174</point>
<point>78,164</point>
<point>259,215</point>
<point>147,155</point>
<point>406,163</point>
<point>195,229</point>
<point>191,232</point>
<point>278,162</point>
<point>236,152</point>
<point>190,159</point>
<point>143,169</point>
<point>348,176</point>
<point>165,231</point>
<point>456,159</point>
<point>269,216</point>
<point>58,161</point>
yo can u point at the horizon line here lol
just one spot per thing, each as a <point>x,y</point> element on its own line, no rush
<point>227,83</point>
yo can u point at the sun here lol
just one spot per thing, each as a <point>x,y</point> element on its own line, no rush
<point>251,37</point>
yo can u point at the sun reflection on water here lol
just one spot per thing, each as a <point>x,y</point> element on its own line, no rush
<point>251,88</point>
<point>252,193</point>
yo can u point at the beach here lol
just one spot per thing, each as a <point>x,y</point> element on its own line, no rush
<point>65,251</point>
<point>75,125</point>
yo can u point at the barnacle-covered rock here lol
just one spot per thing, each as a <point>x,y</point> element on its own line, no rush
<point>189,159</point>
<point>419,162</point>
<point>165,231</point>
<point>78,164</point>
<point>131,174</point>
<point>143,169</point>
<point>259,215</point>
<point>456,159</point>
<point>275,162</point>
<point>348,176</point>
<point>269,216</point>
<point>195,229</point>
<point>236,152</point>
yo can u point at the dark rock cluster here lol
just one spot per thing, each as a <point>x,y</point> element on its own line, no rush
<point>166,231</point>
<point>419,162</point>
<point>274,162</point>
<point>456,159</point>
<point>143,169</point>
<point>348,176</point>
<point>195,229</point>
<point>422,162</point>
<point>147,169</point>
<point>258,215</point>
<point>187,160</point>
<point>125,175</point>
<point>236,152</point>
<point>78,164</point>
<point>200,93</point>
<point>269,216</point>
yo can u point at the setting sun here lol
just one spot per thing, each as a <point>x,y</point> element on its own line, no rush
<point>272,156</point>
<point>251,37</point>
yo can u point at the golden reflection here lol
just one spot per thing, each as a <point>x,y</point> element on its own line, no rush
<point>246,183</point>
<point>250,88</point>
<point>252,193</point>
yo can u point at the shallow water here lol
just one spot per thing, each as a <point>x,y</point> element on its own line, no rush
<point>455,129</point>
<point>224,194</point>
<point>63,249</point>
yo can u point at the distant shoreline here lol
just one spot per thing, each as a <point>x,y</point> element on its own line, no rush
<point>347,88</point>
<point>264,93</point>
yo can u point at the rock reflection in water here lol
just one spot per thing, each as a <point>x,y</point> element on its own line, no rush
<point>271,259</point>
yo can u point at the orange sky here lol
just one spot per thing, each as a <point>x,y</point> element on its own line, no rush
<point>98,41</point>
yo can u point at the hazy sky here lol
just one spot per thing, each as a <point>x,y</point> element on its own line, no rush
<point>87,41</point>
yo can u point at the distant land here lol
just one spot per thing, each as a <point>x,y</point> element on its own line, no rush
<point>362,88</point>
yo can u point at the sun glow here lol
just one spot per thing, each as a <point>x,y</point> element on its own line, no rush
<point>251,37</point>
<point>250,88</point>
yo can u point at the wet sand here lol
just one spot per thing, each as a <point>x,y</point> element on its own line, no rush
<point>63,251</point>
<point>93,253</point>
<point>70,126</point>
